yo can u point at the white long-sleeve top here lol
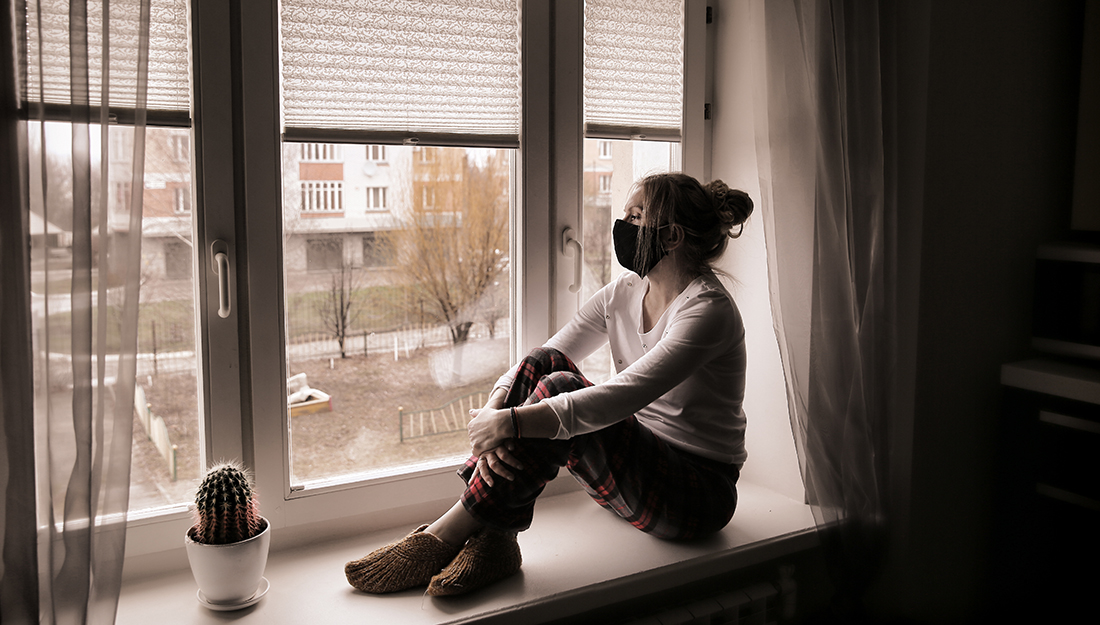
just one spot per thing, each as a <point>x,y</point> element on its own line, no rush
<point>684,379</point>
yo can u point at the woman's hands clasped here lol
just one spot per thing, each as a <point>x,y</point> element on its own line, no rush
<point>488,429</point>
<point>490,432</point>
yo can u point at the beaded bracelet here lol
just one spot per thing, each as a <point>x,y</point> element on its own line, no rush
<point>515,423</point>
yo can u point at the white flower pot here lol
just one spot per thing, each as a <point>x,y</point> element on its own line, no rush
<point>229,575</point>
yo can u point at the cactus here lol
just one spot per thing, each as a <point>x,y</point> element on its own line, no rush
<point>226,510</point>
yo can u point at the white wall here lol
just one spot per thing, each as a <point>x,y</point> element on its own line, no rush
<point>772,460</point>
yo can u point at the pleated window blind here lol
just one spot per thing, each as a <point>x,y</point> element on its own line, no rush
<point>169,83</point>
<point>448,67</point>
<point>633,68</point>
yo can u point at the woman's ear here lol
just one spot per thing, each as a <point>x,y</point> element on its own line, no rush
<point>672,237</point>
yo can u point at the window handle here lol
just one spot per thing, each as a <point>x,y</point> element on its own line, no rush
<point>220,253</point>
<point>572,247</point>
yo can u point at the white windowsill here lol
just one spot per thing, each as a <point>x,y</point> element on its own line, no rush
<point>576,557</point>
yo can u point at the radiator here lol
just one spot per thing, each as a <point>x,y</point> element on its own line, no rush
<point>759,604</point>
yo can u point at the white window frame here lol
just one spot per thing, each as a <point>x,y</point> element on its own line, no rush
<point>376,153</point>
<point>605,148</point>
<point>120,145</point>
<point>122,192</point>
<point>178,144</point>
<point>604,183</point>
<point>376,198</point>
<point>242,362</point>
<point>322,197</point>
<point>321,153</point>
<point>181,200</point>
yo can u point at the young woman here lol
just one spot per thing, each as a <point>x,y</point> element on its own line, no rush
<point>661,443</point>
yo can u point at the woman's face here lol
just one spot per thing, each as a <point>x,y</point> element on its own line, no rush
<point>634,213</point>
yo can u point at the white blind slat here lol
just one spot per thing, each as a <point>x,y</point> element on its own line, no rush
<point>401,65</point>
<point>634,64</point>
<point>168,88</point>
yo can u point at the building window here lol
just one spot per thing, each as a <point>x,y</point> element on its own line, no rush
<point>376,250</point>
<point>605,184</point>
<point>605,149</point>
<point>177,260</point>
<point>324,254</point>
<point>121,146</point>
<point>376,198</point>
<point>425,155</point>
<point>122,196</point>
<point>376,153</point>
<point>427,197</point>
<point>181,200</point>
<point>321,152</point>
<point>322,196</point>
<point>178,147</point>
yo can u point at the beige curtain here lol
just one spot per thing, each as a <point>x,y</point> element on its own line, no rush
<point>821,145</point>
<point>70,278</point>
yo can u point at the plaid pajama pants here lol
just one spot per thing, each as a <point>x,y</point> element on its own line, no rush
<point>659,489</point>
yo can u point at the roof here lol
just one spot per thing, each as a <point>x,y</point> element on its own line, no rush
<point>36,225</point>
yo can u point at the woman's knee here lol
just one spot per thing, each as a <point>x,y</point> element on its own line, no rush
<point>543,353</point>
<point>561,382</point>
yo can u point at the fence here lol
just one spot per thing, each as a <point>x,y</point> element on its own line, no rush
<point>450,417</point>
<point>398,342</point>
<point>156,430</point>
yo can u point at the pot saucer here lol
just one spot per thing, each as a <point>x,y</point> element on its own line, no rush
<point>225,607</point>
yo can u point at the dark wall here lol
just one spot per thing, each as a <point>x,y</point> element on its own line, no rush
<point>1000,124</point>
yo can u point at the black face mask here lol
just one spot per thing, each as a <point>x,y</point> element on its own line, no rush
<point>625,235</point>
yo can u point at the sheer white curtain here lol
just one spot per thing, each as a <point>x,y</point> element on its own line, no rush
<point>70,277</point>
<point>821,146</point>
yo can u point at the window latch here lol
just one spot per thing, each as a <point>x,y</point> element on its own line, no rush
<point>219,253</point>
<point>572,247</point>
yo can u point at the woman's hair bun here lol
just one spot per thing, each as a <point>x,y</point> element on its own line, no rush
<point>732,205</point>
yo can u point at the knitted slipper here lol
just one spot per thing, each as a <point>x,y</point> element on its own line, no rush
<point>407,563</point>
<point>489,556</point>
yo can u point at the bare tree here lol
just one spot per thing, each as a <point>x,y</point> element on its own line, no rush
<point>451,242</point>
<point>339,306</point>
<point>494,305</point>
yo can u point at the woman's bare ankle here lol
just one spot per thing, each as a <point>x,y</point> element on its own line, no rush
<point>455,526</point>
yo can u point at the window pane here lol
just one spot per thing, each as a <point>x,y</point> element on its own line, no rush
<point>397,305</point>
<point>610,169</point>
<point>166,460</point>
<point>165,451</point>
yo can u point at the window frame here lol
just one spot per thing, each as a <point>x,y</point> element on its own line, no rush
<point>376,153</point>
<point>178,147</point>
<point>379,192</point>
<point>603,184</point>
<point>427,197</point>
<point>325,197</point>
<point>181,201</point>
<point>321,152</point>
<point>324,253</point>
<point>373,250</point>
<point>237,147</point>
